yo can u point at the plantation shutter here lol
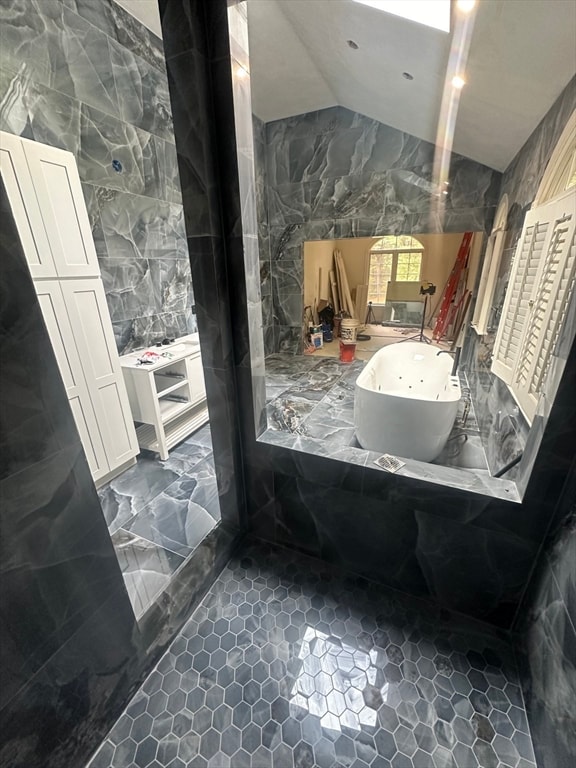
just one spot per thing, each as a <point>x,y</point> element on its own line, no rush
<point>549,309</point>
<point>542,281</point>
<point>529,256</point>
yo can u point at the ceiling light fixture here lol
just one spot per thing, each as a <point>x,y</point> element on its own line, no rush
<point>407,75</point>
<point>241,72</point>
<point>352,45</point>
<point>465,5</point>
<point>458,82</point>
<point>432,13</point>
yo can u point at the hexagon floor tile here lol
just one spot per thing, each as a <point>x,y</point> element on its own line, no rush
<point>289,664</point>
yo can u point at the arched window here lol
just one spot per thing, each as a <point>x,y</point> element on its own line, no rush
<point>560,173</point>
<point>394,259</point>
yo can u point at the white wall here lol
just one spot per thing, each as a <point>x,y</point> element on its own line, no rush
<point>440,252</point>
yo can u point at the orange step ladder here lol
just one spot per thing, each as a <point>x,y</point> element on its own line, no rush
<point>447,309</point>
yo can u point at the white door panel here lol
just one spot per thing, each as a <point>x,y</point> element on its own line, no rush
<point>93,334</point>
<point>55,316</point>
<point>91,441</point>
<point>61,202</point>
<point>27,215</point>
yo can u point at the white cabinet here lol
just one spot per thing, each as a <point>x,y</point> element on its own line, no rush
<point>25,208</point>
<point>44,190</point>
<point>61,202</point>
<point>168,398</point>
<point>62,337</point>
<point>92,329</point>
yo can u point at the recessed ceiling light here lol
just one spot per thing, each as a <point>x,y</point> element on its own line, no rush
<point>458,82</point>
<point>433,13</point>
<point>353,45</point>
<point>465,5</point>
<point>241,72</point>
<point>407,75</point>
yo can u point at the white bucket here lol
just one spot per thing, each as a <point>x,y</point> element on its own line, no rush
<point>348,330</point>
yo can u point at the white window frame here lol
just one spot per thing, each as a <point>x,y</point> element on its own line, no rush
<point>490,269</point>
<point>395,252</point>
<point>559,174</point>
<point>541,283</point>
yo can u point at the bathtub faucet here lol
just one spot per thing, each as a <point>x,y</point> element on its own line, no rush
<point>456,354</point>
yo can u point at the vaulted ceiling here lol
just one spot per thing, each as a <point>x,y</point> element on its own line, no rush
<point>522,54</point>
<point>146,11</point>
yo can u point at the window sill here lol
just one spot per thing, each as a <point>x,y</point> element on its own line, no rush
<point>470,480</point>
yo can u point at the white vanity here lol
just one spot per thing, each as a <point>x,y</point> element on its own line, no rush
<point>167,397</point>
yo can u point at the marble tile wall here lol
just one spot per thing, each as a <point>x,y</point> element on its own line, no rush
<point>548,640</point>
<point>337,174</point>
<point>87,77</point>
<point>504,430</point>
<point>266,282</point>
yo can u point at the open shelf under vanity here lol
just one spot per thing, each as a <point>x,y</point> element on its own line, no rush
<point>167,398</point>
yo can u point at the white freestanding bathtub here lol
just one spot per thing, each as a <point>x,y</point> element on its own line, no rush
<point>406,401</point>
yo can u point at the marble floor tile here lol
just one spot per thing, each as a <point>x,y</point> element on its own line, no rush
<point>289,365</point>
<point>315,399</point>
<point>146,567</point>
<point>274,388</point>
<point>177,524</point>
<point>131,491</point>
<point>158,512</point>
<point>332,422</point>
<point>189,454</point>
<point>290,663</point>
<point>203,436</point>
<point>287,413</point>
<point>463,450</point>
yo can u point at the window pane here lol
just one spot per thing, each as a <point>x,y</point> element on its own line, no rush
<point>380,273</point>
<point>408,267</point>
<point>392,242</point>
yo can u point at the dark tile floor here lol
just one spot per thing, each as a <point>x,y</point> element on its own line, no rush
<point>288,664</point>
<point>315,398</point>
<point>158,512</point>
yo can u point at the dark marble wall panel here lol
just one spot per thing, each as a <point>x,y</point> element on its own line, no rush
<point>87,77</point>
<point>547,639</point>
<point>336,173</point>
<point>211,201</point>
<point>57,563</point>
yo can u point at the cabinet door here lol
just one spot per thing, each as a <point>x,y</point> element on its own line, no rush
<point>22,197</point>
<point>56,319</point>
<point>61,202</point>
<point>94,337</point>
<point>195,374</point>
